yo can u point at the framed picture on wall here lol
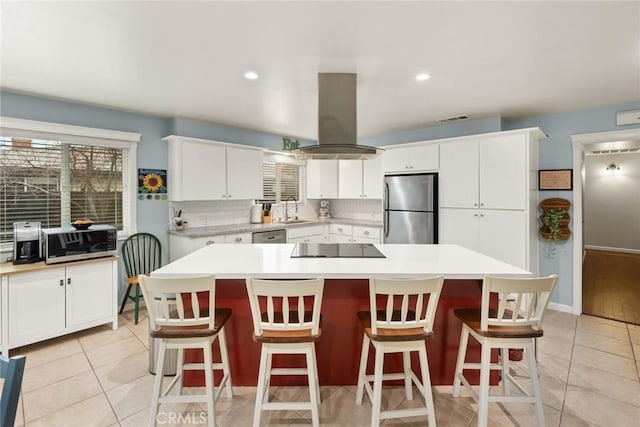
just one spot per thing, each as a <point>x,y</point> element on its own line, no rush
<point>555,179</point>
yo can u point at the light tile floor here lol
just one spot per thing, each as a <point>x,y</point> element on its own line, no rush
<point>99,377</point>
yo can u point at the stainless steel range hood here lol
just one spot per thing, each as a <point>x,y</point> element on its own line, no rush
<point>337,121</point>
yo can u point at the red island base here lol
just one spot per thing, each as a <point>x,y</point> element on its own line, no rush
<point>338,350</point>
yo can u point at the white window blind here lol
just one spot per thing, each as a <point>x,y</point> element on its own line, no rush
<point>55,182</point>
<point>281,181</point>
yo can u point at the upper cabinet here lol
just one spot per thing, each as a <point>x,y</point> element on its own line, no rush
<point>322,179</point>
<point>410,159</point>
<point>208,170</point>
<point>489,173</point>
<point>360,179</point>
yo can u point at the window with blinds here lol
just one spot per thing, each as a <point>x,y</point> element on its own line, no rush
<point>281,181</point>
<point>55,183</point>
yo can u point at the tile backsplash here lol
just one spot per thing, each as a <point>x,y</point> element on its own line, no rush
<point>222,212</point>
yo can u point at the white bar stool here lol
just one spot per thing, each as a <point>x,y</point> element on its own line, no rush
<point>182,328</point>
<point>283,324</point>
<point>402,325</point>
<point>514,324</point>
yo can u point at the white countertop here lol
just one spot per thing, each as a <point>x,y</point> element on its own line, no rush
<point>237,261</point>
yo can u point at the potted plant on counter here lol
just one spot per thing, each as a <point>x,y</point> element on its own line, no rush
<point>180,223</point>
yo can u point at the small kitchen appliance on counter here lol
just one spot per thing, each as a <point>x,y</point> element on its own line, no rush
<point>256,214</point>
<point>27,242</point>
<point>68,244</point>
<point>323,212</point>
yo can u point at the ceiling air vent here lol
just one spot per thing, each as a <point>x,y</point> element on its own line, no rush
<point>453,119</point>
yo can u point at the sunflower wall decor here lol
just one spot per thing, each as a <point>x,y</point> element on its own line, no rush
<point>152,184</point>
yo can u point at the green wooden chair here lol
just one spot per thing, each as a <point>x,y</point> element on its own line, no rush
<point>12,371</point>
<point>141,254</point>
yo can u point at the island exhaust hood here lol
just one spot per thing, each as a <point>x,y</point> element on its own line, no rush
<point>337,121</point>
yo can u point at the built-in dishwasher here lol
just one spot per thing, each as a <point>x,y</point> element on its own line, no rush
<point>271,236</point>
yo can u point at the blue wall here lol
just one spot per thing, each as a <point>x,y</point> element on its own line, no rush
<point>555,151</point>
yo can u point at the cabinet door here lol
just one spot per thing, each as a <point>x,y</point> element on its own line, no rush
<point>459,227</point>
<point>395,160</point>
<point>372,178</point>
<point>503,172</point>
<point>338,238</point>
<point>201,242</point>
<point>503,235</point>
<point>458,175</point>
<point>424,158</point>
<point>322,179</point>
<point>204,173</point>
<point>238,238</point>
<point>244,174</point>
<point>89,289</point>
<point>36,306</point>
<point>350,179</point>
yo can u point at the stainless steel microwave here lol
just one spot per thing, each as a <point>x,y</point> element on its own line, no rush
<point>68,244</point>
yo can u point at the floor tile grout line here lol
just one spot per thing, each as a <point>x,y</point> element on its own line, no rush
<point>566,383</point>
<point>115,414</point>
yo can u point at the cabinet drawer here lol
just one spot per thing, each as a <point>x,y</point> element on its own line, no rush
<point>201,242</point>
<point>309,230</point>
<point>238,238</point>
<point>341,229</point>
<point>366,232</point>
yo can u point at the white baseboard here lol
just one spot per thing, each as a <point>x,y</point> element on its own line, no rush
<point>561,307</point>
<point>608,249</point>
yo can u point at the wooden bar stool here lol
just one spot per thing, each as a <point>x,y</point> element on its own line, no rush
<point>283,324</point>
<point>190,326</point>
<point>514,324</point>
<point>402,325</point>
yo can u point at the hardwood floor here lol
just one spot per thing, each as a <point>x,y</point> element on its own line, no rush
<point>611,285</point>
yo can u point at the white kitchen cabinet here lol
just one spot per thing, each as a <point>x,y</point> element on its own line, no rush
<point>89,293</point>
<point>315,233</point>
<point>244,174</point>
<point>322,179</point>
<point>208,170</point>
<point>486,173</point>
<point>48,301</point>
<point>360,179</point>
<point>238,238</point>
<point>420,157</point>
<point>500,234</point>
<point>36,306</point>
<point>344,233</point>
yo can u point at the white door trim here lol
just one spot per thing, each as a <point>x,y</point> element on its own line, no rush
<point>579,141</point>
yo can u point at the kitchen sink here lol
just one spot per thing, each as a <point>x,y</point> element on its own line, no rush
<point>295,221</point>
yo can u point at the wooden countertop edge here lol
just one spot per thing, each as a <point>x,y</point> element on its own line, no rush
<point>9,268</point>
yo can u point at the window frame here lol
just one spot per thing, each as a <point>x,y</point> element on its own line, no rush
<point>280,157</point>
<point>127,141</point>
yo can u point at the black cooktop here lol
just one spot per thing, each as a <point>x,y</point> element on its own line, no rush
<point>336,250</point>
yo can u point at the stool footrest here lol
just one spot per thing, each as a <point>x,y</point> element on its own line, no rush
<point>402,413</point>
<point>289,371</point>
<point>278,406</point>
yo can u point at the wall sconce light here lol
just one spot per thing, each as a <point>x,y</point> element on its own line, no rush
<point>613,168</point>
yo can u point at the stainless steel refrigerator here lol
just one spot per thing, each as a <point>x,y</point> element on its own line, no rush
<point>410,208</point>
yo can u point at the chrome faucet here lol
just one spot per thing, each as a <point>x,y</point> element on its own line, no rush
<point>286,207</point>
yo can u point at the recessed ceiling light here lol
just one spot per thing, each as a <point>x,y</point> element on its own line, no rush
<point>422,77</point>
<point>251,75</point>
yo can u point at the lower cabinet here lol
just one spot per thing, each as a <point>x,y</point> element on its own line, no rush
<point>500,234</point>
<point>343,233</point>
<point>180,246</point>
<point>54,301</point>
<point>316,233</point>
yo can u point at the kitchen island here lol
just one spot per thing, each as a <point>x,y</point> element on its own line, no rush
<point>345,293</point>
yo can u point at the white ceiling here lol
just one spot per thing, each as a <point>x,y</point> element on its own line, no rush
<point>187,59</point>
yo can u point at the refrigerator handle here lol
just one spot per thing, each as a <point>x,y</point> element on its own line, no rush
<point>385,222</point>
<point>386,196</point>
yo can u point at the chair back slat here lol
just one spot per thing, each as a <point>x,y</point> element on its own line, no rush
<point>162,293</point>
<point>141,254</point>
<point>521,301</point>
<point>410,294</point>
<point>271,298</point>
<point>12,370</point>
